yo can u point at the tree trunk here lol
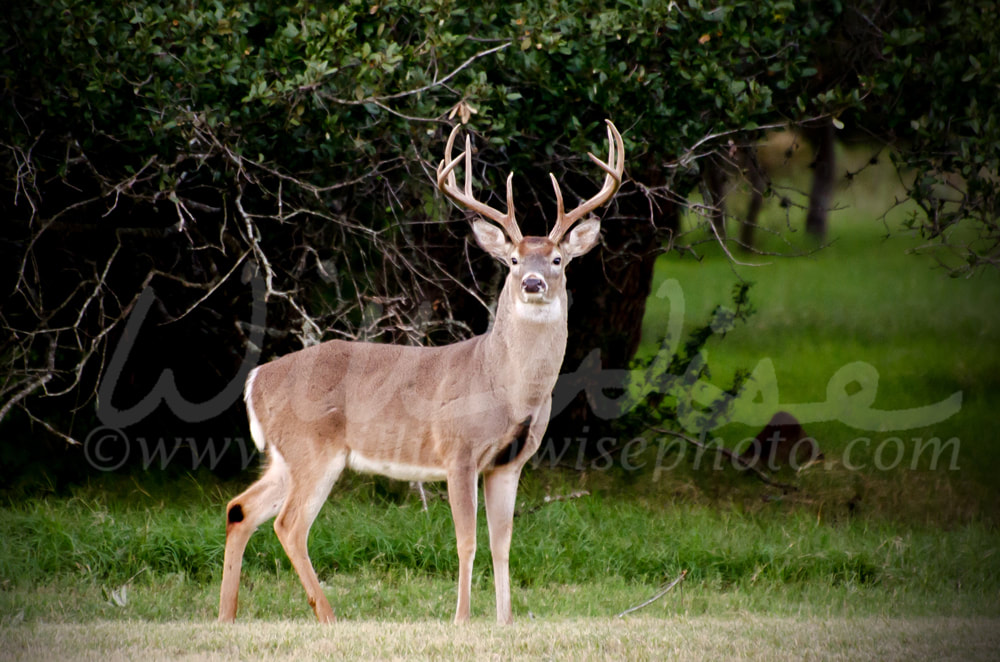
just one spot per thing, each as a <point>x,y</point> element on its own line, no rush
<point>608,289</point>
<point>757,180</point>
<point>821,196</point>
<point>715,192</point>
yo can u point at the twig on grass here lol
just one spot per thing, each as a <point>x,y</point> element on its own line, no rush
<point>666,589</point>
<point>551,499</point>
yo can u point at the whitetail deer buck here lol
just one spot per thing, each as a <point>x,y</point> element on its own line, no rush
<point>479,406</point>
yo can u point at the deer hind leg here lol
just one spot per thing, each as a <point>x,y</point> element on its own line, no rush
<point>463,496</point>
<point>244,514</point>
<point>308,492</point>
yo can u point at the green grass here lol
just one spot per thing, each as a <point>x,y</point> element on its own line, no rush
<point>114,552</point>
<point>120,571</point>
<point>865,298</point>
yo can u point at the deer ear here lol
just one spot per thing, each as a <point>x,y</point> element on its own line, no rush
<point>582,238</point>
<point>491,239</point>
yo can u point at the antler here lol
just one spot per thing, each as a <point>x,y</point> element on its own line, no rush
<point>614,167</point>
<point>449,186</point>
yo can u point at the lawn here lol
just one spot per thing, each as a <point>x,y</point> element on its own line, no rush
<point>124,570</point>
<point>744,636</point>
<point>889,363</point>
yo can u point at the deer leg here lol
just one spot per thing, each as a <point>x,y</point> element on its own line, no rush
<point>244,514</point>
<point>307,495</point>
<point>500,493</point>
<point>463,496</point>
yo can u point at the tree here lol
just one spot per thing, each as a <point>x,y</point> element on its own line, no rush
<point>937,99</point>
<point>186,147</point>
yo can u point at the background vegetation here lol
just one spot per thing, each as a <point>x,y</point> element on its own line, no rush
<point>178,148</point>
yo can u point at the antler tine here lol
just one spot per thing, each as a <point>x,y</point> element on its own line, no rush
<point>614,169</point>
<point>448,185</point>
<point>468,166</point>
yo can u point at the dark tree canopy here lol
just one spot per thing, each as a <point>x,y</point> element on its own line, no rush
<point>185,146</point>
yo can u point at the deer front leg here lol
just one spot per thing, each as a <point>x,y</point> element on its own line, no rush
<point>500,493</point>
<point>463,497</point>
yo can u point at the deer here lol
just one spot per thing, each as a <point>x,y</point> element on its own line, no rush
<point>444,413</point>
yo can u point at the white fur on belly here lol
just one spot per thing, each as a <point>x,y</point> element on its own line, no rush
<point>396,470</point>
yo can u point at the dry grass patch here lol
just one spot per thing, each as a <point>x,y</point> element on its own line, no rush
<point>744,636</point>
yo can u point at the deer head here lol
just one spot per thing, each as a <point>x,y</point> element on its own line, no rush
<point>536,264</point>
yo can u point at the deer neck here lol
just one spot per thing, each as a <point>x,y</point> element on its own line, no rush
<point>526,345</point>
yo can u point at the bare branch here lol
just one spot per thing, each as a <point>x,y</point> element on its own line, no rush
<point>23,393</point>
<point>436,83</point>
<point>552,499</point>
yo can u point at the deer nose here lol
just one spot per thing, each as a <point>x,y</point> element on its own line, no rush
<point>533,285</point>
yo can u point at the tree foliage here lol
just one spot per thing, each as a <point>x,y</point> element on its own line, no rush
<point>939,86</point>
<point>184,145</point>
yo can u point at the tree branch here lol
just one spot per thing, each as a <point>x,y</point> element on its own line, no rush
<point>437,83</point>
<point>656,597</point>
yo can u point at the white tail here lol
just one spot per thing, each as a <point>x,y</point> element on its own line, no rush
<point>421,413</point>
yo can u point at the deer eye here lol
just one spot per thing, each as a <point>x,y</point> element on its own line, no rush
<point>513,260</point>
<point>557,260</point>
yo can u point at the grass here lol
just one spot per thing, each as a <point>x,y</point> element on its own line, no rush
<point>865,299</point>
<point>123,571</point>
<point>111,553</point>
<point>870,557</point>
<point>748,636</point>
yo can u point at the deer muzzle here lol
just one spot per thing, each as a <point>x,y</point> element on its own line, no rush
<point>533,285</point>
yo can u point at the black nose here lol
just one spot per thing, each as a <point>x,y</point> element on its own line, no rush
<point>533,285</point>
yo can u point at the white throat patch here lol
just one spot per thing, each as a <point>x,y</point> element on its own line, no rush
<point>538,312</point>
